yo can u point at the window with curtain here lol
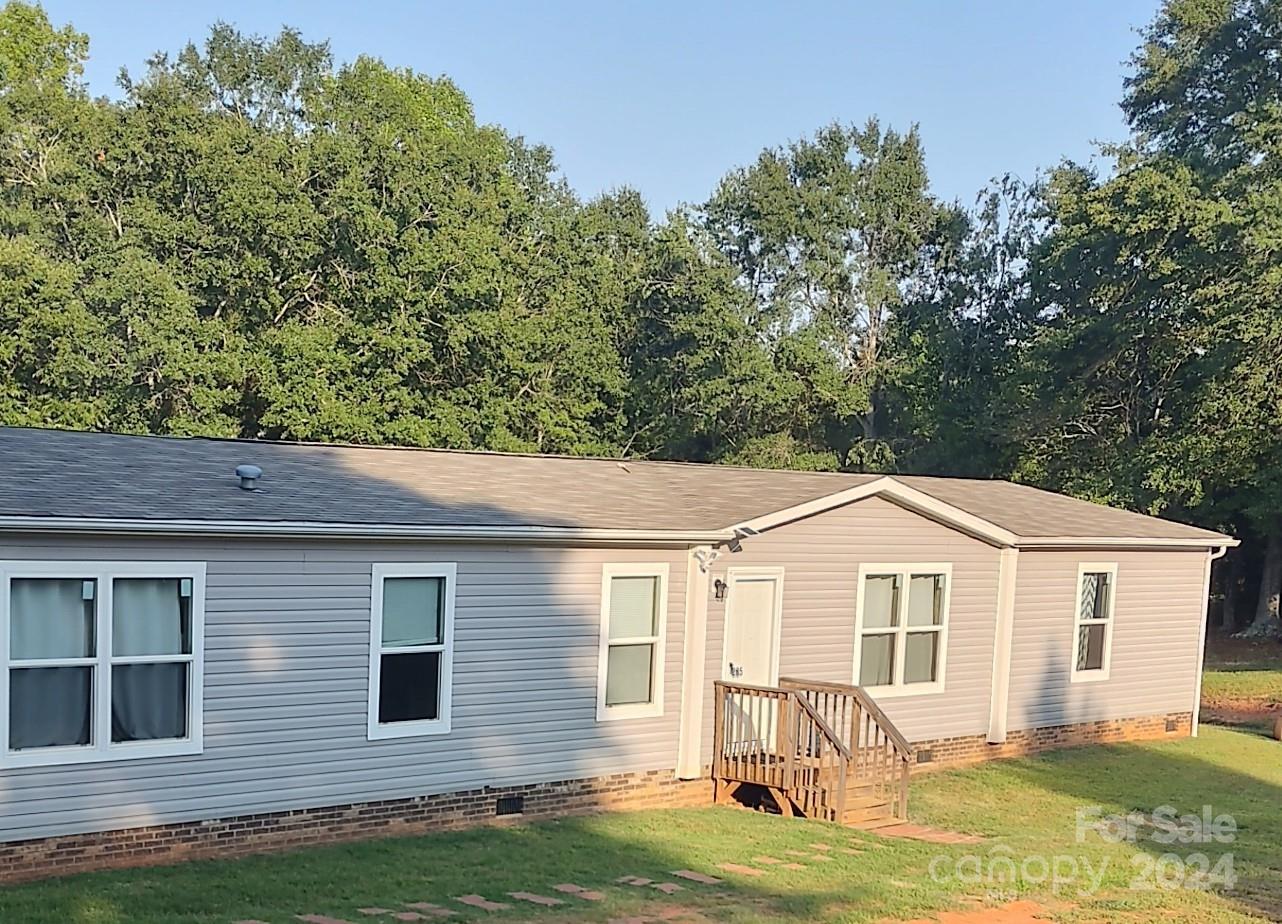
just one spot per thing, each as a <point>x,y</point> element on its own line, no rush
<point>102,660</point>
<point>1093,621</point>
<point>901,627</point>
<point>633,617</point>
<point>411,639</point>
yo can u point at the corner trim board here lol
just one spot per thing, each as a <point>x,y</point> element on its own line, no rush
<point>1003,638</point>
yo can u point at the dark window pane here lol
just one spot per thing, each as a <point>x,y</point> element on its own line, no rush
<point>148,702</point>
<point>1090,647</point>
<point>877,661</point>
<point>150,616</point>
<point>409,687</point>
<point>51,618</point>
<point>49,706</point>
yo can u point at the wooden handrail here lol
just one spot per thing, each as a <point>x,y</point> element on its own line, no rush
<point>791,739</point>
<point>865,701</point>
<point>823,726</point>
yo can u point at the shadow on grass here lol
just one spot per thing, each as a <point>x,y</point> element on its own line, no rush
<point>593,852</point>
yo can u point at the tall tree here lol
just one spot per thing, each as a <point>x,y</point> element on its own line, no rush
<point>827,235</point>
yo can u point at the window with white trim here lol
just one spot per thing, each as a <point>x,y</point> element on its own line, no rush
<point>102,660</point>
<point>634,615</point>
<point>1093,620</point>
<point>901,627</point>
<point>411,649</point>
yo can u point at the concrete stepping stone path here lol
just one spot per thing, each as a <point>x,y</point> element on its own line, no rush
<point>320,919</point>
<point>434,911</point>
<point>741,869</point>
<point>536,899</point>
<point>569,888</point>
<point>480,901</point>
<point>696,877</point>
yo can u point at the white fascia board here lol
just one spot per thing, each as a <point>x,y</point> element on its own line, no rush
<point>286,529</point>
<point>935,509</point>
<point>1124,542</point>
<point>911,498</point>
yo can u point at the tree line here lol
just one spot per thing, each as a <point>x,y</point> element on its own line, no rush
<point>253,240</point>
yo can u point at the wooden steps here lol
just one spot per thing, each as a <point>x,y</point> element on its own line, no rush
<point>820,750</point>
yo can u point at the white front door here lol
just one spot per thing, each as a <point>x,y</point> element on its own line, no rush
<point>754,598</point>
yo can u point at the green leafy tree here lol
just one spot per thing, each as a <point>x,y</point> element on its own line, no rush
<point>828,235</point>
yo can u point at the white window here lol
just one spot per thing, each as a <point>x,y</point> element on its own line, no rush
<point>411,649</point>
<point>634,616</point>
<point>901,628</point>
<point>102,660</point>
<point>1093,620</point>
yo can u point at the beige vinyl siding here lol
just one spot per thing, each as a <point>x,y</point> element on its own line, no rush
<point>1157,615</point>
<point>286,676</point>
<point>821,555</point>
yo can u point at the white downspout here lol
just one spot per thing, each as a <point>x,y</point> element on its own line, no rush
<point>690,739</point>
<point>1211,555</point>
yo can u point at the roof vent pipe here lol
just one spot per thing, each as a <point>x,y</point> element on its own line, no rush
<point>249,475</point>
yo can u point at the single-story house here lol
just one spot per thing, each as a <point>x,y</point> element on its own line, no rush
<point>213,646</point>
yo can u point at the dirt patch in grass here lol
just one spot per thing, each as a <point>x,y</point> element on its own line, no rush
<point>1023,911</point>
<point>1242,713</point>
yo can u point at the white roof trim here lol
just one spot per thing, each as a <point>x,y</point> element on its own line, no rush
<point>901,494</point>
<point>950,515</point>
<point>1123,542</point>
<point>277,528</point>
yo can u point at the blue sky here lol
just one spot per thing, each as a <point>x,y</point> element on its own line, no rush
<point>667,96</point>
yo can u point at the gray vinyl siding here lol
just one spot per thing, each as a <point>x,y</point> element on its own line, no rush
<point>286,678</point>
<point>821,556</point>
<point>1157,614</point>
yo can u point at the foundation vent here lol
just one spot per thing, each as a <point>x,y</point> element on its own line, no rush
<point>509,805</point>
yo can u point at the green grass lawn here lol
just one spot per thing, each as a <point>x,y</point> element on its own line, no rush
<point>1242,672</point>
<point>1026,809</point>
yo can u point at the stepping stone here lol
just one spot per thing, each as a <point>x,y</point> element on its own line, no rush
<point>373,911</point>
<point>320,919</point>
<point>249,922</point>
<point>696,877</point>
<point>793,866</point>
<point>633,880</point>
<point>428,908</point>
<point>798,853</point>
<point>536,899</point>
<point>822,858</point>
<point>668,888</point>
<point>408,916</point>
<point>822,846</point>
<point>768,861</point>
<point>741,870</point>
<point>569,888</point>
<point>480,901</point>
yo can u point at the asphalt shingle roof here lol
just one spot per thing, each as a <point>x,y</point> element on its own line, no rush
<point>53,473</point>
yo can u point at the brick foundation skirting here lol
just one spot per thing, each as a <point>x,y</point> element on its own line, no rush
<point>272,831</point>
<point>952,752</point>
<point>246,834</point>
